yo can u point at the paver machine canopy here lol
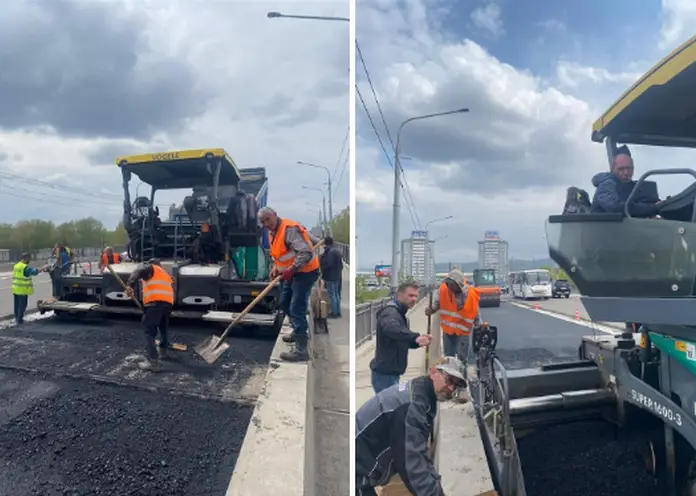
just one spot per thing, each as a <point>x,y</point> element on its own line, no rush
<point>212,220</point>
<point>631,269</point>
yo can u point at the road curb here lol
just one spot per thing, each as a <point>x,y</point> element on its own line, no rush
<point>280,432</point>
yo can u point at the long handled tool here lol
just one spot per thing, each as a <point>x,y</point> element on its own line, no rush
<point>212,348</point>
<point>174,346</point>
<point>427,348</point>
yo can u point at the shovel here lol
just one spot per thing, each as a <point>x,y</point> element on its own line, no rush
<point>212,348</point>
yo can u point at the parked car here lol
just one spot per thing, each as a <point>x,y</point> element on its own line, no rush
<point>560,289</point>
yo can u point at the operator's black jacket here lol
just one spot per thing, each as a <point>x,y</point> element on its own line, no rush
<point>394,339</point>
<point>391,436</point>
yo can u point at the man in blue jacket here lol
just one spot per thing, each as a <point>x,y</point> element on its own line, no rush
<point>614,187</point>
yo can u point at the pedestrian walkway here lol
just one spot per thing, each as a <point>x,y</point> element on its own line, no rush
<point>462,461</point>
<point>332,402</point>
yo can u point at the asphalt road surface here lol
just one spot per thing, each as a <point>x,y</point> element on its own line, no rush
<point>566,460</point>
<point>78,417</point>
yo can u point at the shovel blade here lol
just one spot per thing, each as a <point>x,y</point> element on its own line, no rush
<point>211,349</point>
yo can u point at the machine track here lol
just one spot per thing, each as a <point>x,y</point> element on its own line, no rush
<point>78,417</point>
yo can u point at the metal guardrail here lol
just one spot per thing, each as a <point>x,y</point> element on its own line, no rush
<point>366,316</point>
<point>345,251</point>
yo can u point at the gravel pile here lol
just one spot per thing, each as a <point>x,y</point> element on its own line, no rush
<point>102,440</point>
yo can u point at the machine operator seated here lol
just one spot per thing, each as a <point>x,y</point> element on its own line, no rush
<point>614,187</point>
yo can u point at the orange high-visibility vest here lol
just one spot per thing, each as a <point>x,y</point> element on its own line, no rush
<point>159,287</point>
<point>105,259</point>
<point>452,320</point>
<point>282,256</point>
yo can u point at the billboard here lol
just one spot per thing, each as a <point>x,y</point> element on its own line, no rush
<point>491,235</point>
<point>419,234</point>
<point>383,270</point>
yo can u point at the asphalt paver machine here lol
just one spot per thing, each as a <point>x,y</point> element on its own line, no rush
<point>639,271</point>
<point>212,244</point>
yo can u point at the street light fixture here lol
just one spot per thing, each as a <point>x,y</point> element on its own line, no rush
<point>328,182</point>
<point>323,196</point>
<point>438,220</point>
<point>276,15</point>
<point>397,184</point>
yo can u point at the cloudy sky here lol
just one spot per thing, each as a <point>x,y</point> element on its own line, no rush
<point>535,75</point>
<point>86,81</point>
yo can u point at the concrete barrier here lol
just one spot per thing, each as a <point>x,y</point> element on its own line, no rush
<point>277,455</point>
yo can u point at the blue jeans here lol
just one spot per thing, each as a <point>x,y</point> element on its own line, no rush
<point>381,382</point>
<point>456,346</point>
<point>294,299</point>
<point>20,306</point>
<point>334,297</point>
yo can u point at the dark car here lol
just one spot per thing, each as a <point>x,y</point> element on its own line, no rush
<point>560,289</point>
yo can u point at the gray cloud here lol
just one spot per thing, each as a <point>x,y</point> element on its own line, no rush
<point>83,68</point>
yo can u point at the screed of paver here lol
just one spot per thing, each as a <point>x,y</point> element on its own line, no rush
<point>105,440</point>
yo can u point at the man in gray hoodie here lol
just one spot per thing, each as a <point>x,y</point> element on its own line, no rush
<point>614,187</point>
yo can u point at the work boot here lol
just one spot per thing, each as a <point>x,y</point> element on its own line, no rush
<point>300,353</point>
<point>150,365</point>
<point>163,353</point>
<point>289,338</point>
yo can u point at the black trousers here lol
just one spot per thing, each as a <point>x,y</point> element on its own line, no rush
<point>156,318</point>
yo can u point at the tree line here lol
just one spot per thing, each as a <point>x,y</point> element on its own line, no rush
<point>35,234</point>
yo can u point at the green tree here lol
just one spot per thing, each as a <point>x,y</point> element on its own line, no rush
<point>340,226</point>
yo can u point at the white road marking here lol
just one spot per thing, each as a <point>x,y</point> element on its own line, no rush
<point>592,325</point>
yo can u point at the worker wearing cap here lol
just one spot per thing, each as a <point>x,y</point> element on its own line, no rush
<point>158,300</point>
<point>23,285</point>
<point>458,303</point>
<point>393,429</point>
<point>292,250</point>
<point>109,257</point>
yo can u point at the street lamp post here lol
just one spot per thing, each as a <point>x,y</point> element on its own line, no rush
<point>322,220</point>
<point>323,196</point>
<point>397,184</point>
<point>276,15</point>
<point>328,182</point>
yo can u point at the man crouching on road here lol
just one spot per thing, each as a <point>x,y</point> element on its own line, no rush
<point>393,428</point>
<point>158,300</point>
<point>394,338</point>
<point>294,259</point>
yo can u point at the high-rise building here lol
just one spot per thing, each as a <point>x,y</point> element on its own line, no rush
<point>418,257</point>
<point>493,254</point>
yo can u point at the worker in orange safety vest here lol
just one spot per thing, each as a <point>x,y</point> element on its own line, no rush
<point>158,301</point>
<point>292,251</point>
<point>458,303</point>
<point>109,257</point>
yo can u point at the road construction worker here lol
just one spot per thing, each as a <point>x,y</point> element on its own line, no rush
<point>392,430</point>
<point>293,259</point>
<point>158,301</point>
<point>109,257</point>
<point>458,303</point>
<point>23,285</point>
<point>395,338</point>
<point>64,257</point>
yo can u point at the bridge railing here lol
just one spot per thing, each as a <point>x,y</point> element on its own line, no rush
<point>345,251</point>
<point>366,316</point>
